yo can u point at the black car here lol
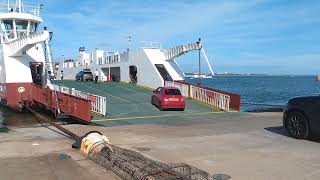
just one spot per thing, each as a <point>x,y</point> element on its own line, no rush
<point>84,76</point>
<point>302,117</point>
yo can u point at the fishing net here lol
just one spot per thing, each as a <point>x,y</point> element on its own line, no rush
<point>130,165</point>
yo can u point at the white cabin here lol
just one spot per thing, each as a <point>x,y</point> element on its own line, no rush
<point>148,66</point>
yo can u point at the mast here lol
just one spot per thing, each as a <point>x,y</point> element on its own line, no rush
<point>19,5</point>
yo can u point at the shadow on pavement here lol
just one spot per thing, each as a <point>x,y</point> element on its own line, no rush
<point>278,130</point>
<point>282,131</point>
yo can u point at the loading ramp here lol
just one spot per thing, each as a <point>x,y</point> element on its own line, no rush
<point>130,104</point>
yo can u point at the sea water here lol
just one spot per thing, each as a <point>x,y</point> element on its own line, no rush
<point>272,90</point>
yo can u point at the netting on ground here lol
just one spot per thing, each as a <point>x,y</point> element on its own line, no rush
<point>130,165</point>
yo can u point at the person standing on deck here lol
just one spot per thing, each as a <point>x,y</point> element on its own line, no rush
<point>61,75</point>
<point>96,74</point>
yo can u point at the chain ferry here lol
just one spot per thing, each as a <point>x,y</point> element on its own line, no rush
<point>27,70</point>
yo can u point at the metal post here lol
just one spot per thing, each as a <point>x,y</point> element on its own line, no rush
<point>199,68</point>
<point>129,43</point>
<point>200,46</point>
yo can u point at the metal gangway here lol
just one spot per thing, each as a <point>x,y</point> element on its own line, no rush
<point>172,53</point>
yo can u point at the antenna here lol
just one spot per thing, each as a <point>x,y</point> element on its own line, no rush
<point>129,42</point>
<point>18,5</point>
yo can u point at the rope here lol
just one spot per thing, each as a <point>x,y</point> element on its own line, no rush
<point>69,134</point>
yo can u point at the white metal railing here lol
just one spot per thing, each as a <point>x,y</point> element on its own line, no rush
<point>13,8</point>
<point>184,89</point>
<point>172,53</point>
<point>18,45</point>
<point>98,103</point>
<point>213,98</point>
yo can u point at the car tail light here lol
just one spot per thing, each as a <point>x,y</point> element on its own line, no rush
<point>182,99</point>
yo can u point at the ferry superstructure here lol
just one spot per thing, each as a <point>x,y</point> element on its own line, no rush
<point>150,65</point>
<point>22,51</point>
<point>26,65</point>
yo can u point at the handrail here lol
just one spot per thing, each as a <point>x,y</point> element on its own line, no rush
<point>18,45</point>
<point>172,53</point>
<point>13,8</point>
<point>210,97</point>
<point>98,103</point>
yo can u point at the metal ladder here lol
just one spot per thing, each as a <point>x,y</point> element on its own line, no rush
<point>48,66</point>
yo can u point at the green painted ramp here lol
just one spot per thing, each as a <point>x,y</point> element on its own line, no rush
<point>131,104</point>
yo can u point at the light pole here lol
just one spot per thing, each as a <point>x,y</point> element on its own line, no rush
<point>199,43</point>
<point>62,61</point>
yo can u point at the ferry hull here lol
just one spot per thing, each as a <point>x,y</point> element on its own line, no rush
<point>17,95</point>
<point>12,94</point>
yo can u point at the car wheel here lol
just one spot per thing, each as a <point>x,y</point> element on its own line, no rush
<point>297,126</point>
<point>152,101</point>
<point>182,109</point>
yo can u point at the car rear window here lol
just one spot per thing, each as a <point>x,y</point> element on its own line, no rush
<point>172,92</point>
<point>87,73</point>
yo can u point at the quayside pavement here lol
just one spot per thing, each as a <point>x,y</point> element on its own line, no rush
<point>246,146</point>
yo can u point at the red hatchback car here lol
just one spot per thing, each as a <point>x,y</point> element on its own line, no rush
<point>168,98</point>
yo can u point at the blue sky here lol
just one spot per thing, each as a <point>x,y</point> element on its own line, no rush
<point>249,36</point>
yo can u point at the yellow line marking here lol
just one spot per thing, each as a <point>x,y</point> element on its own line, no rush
<point>159,116</point>
<point>107,93</point>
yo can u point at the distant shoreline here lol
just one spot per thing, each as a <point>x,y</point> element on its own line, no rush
<point>190,74</point>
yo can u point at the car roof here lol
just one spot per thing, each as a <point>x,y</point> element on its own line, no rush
<point>165,88</point>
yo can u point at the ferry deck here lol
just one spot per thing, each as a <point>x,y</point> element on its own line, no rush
<point>131,104</point>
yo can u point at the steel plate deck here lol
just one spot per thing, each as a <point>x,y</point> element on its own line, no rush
<point>131,104</point>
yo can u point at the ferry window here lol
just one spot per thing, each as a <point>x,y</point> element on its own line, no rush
<point>21,27</point>
<point>8,24</point>
<point>100,60</point>
<point>33,27</point>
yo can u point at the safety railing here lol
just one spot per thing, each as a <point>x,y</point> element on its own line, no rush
<point>13,8</point>
<point>183,87</point>
<point>172,53</point>
<point>18,45</point>
<point>210,97</point>
<point>98,103</point>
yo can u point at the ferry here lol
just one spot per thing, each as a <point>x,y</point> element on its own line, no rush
<point>27,72</point>
<point>150,66</point>
<point>202,76</point>
<point>23,51</point>
<point>26,65</point>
